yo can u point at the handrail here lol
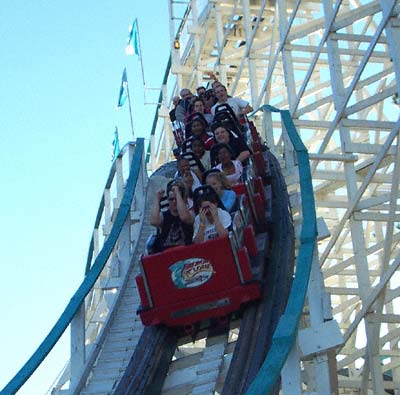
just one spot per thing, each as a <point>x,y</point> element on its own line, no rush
<point>79,296</point>
<point>109,181</point>
<point>285,333</point>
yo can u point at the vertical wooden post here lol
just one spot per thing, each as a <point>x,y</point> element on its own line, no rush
<point>78,352</point>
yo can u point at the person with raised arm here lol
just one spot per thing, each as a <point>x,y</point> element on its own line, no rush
<point>176,223</point>
<point>211,221</point>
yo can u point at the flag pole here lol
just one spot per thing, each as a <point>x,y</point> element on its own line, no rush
<point>130,108</point>
<point>140,53</point>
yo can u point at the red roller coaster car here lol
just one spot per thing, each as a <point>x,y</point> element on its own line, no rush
<point>188,284</point>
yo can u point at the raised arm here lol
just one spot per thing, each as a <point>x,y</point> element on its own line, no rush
<point>221,230</point>
<point>243,156</point>
<point>246,109</point>
<point>156,218</point>
<point>200,231</point>
<point>183,211</point>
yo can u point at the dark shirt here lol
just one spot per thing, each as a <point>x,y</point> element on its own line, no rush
<point>182,110</point>
<point>172,115</point>
<point>174,232</point>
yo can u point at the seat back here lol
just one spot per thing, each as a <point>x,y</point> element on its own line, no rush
<point>226,116</point>
<point>178,130</point>
<point>185,273</point>
<point>193,161</point>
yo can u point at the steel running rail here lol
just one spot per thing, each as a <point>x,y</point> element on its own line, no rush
<point>78,298</point>
<point>285,333</point>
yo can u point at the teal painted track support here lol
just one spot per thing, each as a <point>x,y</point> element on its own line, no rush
<point>78,298</point>
<point>285,333</point>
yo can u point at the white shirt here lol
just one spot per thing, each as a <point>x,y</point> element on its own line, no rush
<point>210,230</point>
<point>236,103</point>
<point>206,160</point>
<point>235,177</point>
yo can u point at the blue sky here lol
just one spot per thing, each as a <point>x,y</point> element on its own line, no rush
<point>60,75</point>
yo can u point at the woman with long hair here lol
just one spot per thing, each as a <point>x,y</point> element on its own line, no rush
<point>222,186</point>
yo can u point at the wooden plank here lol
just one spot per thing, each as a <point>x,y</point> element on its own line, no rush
<point>320,338</point>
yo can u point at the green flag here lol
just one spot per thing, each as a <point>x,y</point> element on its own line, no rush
<point>123,90</point>
<point>132,46</point>
<point>115,144</point>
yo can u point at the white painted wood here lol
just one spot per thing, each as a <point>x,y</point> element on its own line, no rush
<point>344,114</point>
<point>322,229</point>
<point>340,95</point>
<point>78,352</point>
<point>125,329</point>
<point>320,338</point>
<point>291,373</point>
